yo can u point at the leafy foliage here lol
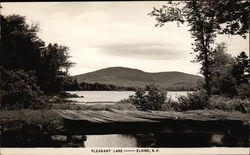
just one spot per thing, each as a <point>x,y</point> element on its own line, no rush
<point>233,17</point>
<point>222,81</point>
<point>55,62</point>
<point>29,68</point>
<point>244,90</point>
<point>22,49</point>
<point>229,104</point>
<point>70,84</point>
<point>152,97</point>
<point>193,101</point>
<point>241,70</point>
<point>20,91</point>
<point>206,19</point>
<point>20,45</point>
<point>201,20</point>
<point>100,86</point>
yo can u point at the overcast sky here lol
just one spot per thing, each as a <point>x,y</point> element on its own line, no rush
<point>108,34</point>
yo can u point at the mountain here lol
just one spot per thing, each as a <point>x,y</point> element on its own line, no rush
<point>127,77</point>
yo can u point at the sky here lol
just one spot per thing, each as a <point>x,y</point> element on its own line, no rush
<point>111,34</point>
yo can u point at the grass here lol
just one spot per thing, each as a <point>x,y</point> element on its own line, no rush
<point>117,106</point>
<point>46,116</point>
<point>219,114</point>
<point>28,116</point>
<point>228,104</point>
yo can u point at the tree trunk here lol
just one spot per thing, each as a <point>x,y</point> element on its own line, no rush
<point>206,74</point>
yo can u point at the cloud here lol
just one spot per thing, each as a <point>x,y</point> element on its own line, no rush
<point>105,34</point>
<point>150,51</point>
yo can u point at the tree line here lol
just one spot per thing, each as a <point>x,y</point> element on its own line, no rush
<point>30,69</point>
<point>73,85</point>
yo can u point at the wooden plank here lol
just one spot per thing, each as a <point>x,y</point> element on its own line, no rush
<point>147,115</point>
<point>101,116</point>
<point>106,116</point>
<point>115,121</point>
<point>139,116</point>
<point>72,115</point>
<point>98,117</point>
<point>122,117</point>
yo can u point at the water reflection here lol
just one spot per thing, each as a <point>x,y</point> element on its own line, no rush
<point>161,140</point>
<point>121,140</point>
<point>113,140</point>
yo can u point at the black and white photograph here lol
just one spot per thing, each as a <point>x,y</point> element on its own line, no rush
<point>125,76</point>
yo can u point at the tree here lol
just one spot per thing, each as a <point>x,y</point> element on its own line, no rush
<point>70,84</point>
<point>202,24</point>
<point>20,45</point>
<point>22,49</point>
<point>205,19</point>
<point>241,74</point>
<point>152,97</point>
<point>19,90</point>
<point>222,81</point>
<point>240,70</point>
<point>233,17</point>
<point>54,68</point>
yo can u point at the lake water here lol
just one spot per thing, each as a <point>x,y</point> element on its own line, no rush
<point>153,140</point>
<point>109,97</point>
<point>157,139</point>
<point>116,140</point>
<point>112,140</point>
<point>120,140</point>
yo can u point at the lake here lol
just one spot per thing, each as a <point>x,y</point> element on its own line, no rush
<point>156,139</point>
<point>109,97</point>
<point>116,140</point>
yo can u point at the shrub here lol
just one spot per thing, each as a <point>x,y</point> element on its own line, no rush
<point>152,97</point>
<point>193,101</point>
<point>244,90</point>
<point>20,91</point>
<point>229,104</point>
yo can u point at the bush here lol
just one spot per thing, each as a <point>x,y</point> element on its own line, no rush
<point>244,90</point>
<point>193,101</point>
<point>229,104</point>
<point>152,97</point>
<point>20,91</point>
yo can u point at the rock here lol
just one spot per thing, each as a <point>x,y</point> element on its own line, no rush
<point>217,140</point>
<point>74,145</point>
<point>242,108</point>
<point>32,130</point>
<point>13,126</point>
<point>59,138</point>
<point>55,126</point>
<point>78,138</point>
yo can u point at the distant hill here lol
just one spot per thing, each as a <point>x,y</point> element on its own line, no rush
<point>127,77</point>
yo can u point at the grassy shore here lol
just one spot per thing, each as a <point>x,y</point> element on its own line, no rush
<point>72,106</point>
<point>28,116</point>
<point>45,116</point>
